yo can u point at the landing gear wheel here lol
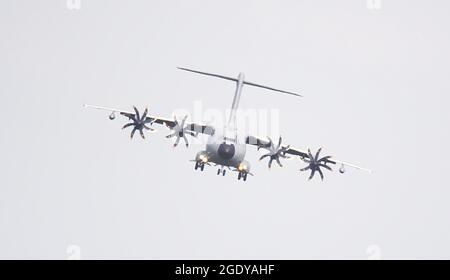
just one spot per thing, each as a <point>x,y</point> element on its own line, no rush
<point>202,167</point>
<point>239,176</point>
<point>223,172</point>
<point>196,166</point>
<point>218,171</point>
<point>245,176</point>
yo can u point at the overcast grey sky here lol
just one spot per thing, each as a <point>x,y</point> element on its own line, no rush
<point>376,93</point>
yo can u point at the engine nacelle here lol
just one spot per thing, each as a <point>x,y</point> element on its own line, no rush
<point>112,116</point>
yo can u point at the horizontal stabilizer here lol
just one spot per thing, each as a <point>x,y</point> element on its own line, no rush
<point>237,80</point>
<point>209,74</point>
<point>269,88</point>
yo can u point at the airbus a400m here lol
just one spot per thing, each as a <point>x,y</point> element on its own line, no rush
<point>225,148</point>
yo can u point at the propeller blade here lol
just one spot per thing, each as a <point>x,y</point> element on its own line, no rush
<point>183,121</point>
<point>317,154</point>
<point>186,140</point>
<point>278,161</point>
<point>144,116</point>
<point>132,132</point>
<point>137,113</point>
<point>325,166</point>
<point>312,173</point>
<point>148,127</point>
<point>320,173</point>
<point>270,145</point>
<point>176,142</point>
<point>305,168</point>
<point>142,133</point>
<point>325,158</point>
<point>279,143</point>
<point>264,156</point>
<point>310,155</point>
<point>127,125</point>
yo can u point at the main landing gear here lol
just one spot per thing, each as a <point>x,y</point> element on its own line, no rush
<point>200,165</point>
<point>242,175</point>
<point>222,170</point>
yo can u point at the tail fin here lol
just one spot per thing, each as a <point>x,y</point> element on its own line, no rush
<point>237,80</point>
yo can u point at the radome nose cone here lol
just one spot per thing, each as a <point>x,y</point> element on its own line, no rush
<point>226,151</point>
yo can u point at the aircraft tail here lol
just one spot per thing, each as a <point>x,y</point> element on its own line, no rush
<point>240,82</point>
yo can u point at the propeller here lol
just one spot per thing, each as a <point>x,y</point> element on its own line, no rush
<point>275,152</point>
<point>314,164</point>
<point>180,131</point>
<point>139,123</point>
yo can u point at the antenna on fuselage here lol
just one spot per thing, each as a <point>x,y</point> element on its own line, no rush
<point>240,82</point>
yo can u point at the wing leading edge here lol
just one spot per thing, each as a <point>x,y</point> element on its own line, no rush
<point>170,123</point>
<point>314,161</point>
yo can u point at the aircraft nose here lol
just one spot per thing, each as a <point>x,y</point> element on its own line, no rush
<point>226,151</point>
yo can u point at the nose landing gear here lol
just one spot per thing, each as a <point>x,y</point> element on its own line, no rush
<point>242,175</point>
<point>199,165</point>
<point>221,170</point>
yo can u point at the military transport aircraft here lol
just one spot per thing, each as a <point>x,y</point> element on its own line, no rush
<point>224,148</point>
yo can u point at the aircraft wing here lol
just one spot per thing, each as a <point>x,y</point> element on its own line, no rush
<point>170,123</point>
<point>304,154</point>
